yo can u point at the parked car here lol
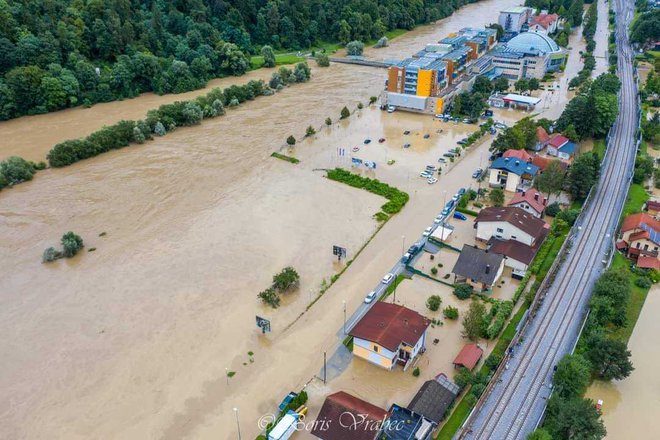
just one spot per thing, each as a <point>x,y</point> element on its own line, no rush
<point>455,198</point>
<point>426,136</point>
<point>442,160</point>
<point>439,219</point>
<point>367,141</point>
<point>477,173</point>
<point>462,141</point>
<point>450,204</point>
<point>432,180</point>
<point>407,132</point>
<point>500,125</point>
<point>390,108</point>
<point>460,216</point>
<point>431,168</point>
<point>370,297</point>
<point>425,174</point>
<point>406,145</point>
<point>461,191</point>
<point>427,231</point>
<point>381,140</point>
<point>406,257</point>
<point>414,248</point>
<point>387,278</point>
<point>449,155</point>
<point>467,121</point>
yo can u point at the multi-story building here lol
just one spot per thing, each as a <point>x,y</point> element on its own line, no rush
<point>514,20</point>
<point>528,55</point>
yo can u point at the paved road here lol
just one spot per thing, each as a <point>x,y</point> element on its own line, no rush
<point>516,402</point>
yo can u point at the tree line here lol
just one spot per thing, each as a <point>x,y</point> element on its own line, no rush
<point>170,116</point>
<point>64,53</point>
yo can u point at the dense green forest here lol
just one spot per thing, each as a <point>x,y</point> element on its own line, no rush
<point>62,53</point>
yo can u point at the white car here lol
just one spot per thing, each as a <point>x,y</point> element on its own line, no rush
<point>387,278</point>
<point>370,297</point>
<point>432,180</point>
<point>390,109</point>
<point>427,231</point>
<point>425,174</point>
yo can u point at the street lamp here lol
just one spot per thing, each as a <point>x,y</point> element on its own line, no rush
<point>238,425</point>
<point>227,375</point>
<point>403,249</point>
<point>344,303</point>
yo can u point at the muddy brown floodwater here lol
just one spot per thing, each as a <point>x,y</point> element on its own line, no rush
<point>134,340</point>
<point>630,406</point>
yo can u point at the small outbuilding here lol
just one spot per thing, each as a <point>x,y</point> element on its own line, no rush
<point>434,398</point>
<point>468,357</point>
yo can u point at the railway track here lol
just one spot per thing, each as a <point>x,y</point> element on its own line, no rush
<point>515,403</point>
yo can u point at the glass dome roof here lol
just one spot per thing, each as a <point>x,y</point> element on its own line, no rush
<point>533,42</point>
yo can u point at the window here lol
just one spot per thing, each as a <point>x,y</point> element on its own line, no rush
<point>646,247</point>
<point>376,348</point>
<point>500,230</point>
<point>638,245</point>
<point>513,237</point>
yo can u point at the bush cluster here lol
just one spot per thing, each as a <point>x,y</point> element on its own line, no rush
<point>71,244</point>
<point>14,170</point>
<point>286,280</point>
<point>500,312</point>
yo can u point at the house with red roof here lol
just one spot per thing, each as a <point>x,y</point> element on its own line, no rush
<point>653,208</point>
<point>542,139</point>
<point>543,161</point>
<point>640,239</point>
<point>518,154</point>
<point>468,357</point>
<point>389,334</point>
<point>530,201</point>
<point>346,417</point>
<point>544,23</point>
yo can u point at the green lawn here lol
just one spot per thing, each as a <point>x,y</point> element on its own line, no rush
<point>637,196</point>
<point>599,148</point>
<point>635,303</point>
<point>257,61</point>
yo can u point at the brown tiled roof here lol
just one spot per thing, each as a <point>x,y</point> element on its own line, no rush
<point>469,356</point>
<point>634,221</point>
<point>542,162</point>
<point>339,414</point>
<point>532,197</point>
<point>648,262</point>
<point>389,325</point>
<point>542,135</point>
<point>545,20</point>
<point>653,205</point>
<point>638,236</point>
<point>518,154</point>
<point>515,250</point>
<point>515,216</point>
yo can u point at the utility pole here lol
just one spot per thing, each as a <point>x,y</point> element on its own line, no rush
<point>344,303</point>
<point>238,426</point>
<point>403,249</point>
<point>325,367</point>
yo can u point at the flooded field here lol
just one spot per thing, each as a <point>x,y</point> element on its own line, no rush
<point>630,406</point>
<point>135,339</point>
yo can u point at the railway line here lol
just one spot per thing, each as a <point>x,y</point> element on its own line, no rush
<point>514,403</point>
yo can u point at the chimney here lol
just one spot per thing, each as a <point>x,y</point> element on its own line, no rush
<point>517,162</point>
<point>545,201</point>
<point>487,268</point>
<point>523,193</point>
<point>536,196</point>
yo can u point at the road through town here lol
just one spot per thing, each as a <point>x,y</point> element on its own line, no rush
<point>515,403</point>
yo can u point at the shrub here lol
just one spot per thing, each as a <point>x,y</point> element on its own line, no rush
<point>269,56</point>
<point>463,378</point>
<point>354,48</point>
<point>569,216</point>
<point>450,312</point>
<point>310,131</point>
<point>643,282</point>
<point>71,244</point>
<point>16,170</point>
<point>463,291</point>
<point>345,113</point>
<point>270,297</point>
<point>159,129</point>
<point>328,121</point>
<point>433,303</point>
<point>51,254</point>
<point>553,209</point>
<point>416,372</point>
<point>291,141</point>
<point>373,99</point>
<point>322,60</point>
<point>496,197</point>
<point>434,270</point>
<point>382,42</point>
<point>360,106</point>
<point>493,361</point>
<point>287,279</point>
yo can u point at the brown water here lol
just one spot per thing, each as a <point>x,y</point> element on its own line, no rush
<point>630,406</point>
<point>133,340</point>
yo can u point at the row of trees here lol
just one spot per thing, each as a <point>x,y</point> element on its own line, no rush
<point>64,53</point>
<point>569,415</point>
<point>14,170</point>
<point>646,27</point>
<point>170,116</point>
<point>589,30</point>
<point>472,104</point>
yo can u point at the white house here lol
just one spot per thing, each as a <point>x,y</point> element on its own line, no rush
<point>518,256</point>
<point>544,23</point>
<point>510,173</point>
<point>510,223</point>
<point>515,18</point>
<point>389,334</point>
<point>559,146</point>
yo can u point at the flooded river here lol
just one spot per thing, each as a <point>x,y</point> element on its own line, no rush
<point>630,406</point>
<point>134,340</point>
